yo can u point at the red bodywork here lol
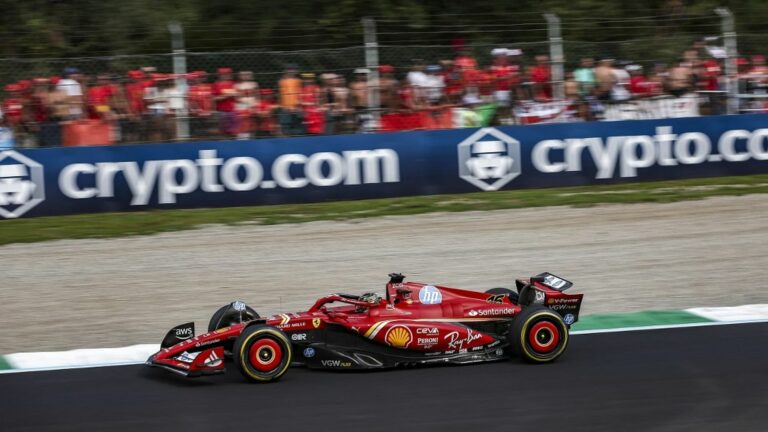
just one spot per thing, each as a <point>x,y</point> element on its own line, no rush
<point>413,320</point>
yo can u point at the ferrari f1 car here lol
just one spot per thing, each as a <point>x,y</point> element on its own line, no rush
<point>413,324</point>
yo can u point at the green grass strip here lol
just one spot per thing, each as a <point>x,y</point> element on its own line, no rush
<point>636,319</point>
<point>4,364</point>
<point>104,225</point>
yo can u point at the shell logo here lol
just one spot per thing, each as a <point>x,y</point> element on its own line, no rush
<point>399,337</point>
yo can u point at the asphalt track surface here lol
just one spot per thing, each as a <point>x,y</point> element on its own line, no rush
<point>686,379</point>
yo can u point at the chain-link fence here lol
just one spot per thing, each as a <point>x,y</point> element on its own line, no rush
<point>399,79</point>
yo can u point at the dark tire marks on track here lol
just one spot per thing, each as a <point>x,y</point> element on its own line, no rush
<point>689,379</point>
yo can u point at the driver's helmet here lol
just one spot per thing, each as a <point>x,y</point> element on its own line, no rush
<point>372,298</point>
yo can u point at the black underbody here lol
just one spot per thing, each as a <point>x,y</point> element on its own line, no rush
<point>335,347</point>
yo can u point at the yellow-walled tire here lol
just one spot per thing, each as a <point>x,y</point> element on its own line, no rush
<point>539,335</point>
<point>262,353</point>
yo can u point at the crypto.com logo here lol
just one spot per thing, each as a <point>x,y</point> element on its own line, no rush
<point>489,159</point>
<point>21,184</point>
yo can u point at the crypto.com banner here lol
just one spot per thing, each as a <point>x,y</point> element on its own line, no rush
<point>293,170</point>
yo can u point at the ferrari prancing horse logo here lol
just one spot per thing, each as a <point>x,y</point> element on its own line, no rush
<point>316,322</point>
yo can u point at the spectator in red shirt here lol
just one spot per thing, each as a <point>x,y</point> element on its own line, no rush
<point>541,78</point>
<point>99,98</point>
<point>505,76</point>
<point>13,110</point>
<point>639,86</point>
<point>200,97</point>
<point>465,61</point>
<point>309,100</point>
<point>13,106</point>
<point>266,111</point>
<point>225,96</point>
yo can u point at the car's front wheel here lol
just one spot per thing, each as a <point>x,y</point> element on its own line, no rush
<point>539,335</point>
<point>227,315</point>
<point>262,353</point>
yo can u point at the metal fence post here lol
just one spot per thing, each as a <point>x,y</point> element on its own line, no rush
<point>372,63</point>
<point>556,56</point>
<point>180,70</point>
<point>731,51</point>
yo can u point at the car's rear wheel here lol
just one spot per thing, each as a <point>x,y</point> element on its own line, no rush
<point>226,316</point>
<point>539,335</point>
<point>262,353</point>
<point>513,296</point>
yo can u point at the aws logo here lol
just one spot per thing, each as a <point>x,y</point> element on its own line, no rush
<point>399,336</point>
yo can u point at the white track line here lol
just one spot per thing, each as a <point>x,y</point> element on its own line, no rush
<point>575,333</point>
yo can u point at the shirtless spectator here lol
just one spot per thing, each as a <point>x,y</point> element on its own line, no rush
<point>337,105</point>
<point>605,79</point>
<point>680,79</point>
<point>359,92</point>
<point>387,87</point>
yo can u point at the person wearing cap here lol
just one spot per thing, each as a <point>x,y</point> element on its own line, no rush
<point>247,97</point>
<point>505,76</point>
<point>359,90</point>
<point>225,98</point>
<point>338,113</point>
<point>200,100</point>
<point>434,85</point>
<point>387,85</point>
<point>70,85</point>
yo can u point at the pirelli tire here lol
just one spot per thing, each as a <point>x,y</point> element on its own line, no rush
<point>262,353</point>
<point>538,335</point>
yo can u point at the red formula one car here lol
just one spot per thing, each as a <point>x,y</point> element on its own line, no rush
<point>413,324</point>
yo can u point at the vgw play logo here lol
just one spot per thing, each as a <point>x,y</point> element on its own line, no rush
<point>489,159</point>
<point>21,184</point>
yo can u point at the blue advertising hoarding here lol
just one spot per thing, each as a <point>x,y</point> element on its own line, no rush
<point>41,182</point>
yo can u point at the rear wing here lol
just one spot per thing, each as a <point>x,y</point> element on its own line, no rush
<point>546,289</point>
<point>551,281</point>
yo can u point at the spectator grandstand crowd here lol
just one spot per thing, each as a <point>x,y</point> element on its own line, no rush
<point>143,105</point>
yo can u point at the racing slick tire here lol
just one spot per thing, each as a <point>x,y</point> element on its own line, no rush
<point>262,353</point>
<point>538,335</point>
<point>218,320</point>
<point>513,296</point>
